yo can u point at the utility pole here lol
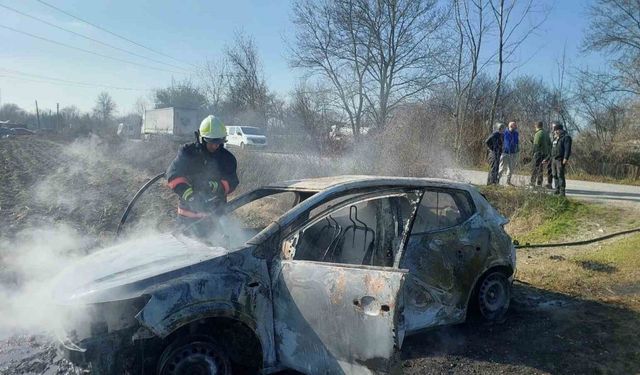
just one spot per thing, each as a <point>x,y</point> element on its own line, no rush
<point>38,115</point>
<point>57,117</point>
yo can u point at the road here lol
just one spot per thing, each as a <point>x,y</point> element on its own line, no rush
<point>578,189</point>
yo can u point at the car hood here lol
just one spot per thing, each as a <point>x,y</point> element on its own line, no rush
<point>137,263</point>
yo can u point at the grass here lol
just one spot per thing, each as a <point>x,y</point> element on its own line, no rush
<point>608,272</point>
<point>537,217</point>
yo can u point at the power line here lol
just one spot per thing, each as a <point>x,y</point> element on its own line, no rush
<point>88,51</point>
<point>40,78</point>
<point>112,33</point>
<point>87,37</point>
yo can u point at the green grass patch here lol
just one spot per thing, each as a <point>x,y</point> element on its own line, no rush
<point>623,254</point>
<point>538,217</point>
<point>560,218</point>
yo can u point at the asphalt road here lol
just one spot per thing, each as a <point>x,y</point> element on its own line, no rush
<point>578,189</point>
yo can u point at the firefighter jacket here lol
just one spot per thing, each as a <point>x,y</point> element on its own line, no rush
<point>196,168</point>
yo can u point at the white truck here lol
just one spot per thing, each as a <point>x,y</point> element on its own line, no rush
<point>173,122</point>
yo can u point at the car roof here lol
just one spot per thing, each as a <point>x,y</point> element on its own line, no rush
<point>363,181</point>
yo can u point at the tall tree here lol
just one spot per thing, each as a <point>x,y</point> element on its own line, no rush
<point>183,94</point>
<point>105,108</point>
<point>331,41</point>
<point>248,94</point>
<point>404,50</point>
<point>515,23</point>
<point>615,30</point>
<point>471,22</point>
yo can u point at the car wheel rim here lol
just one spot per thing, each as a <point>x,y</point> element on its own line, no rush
<point>197,358</point>
<point>494,296</point>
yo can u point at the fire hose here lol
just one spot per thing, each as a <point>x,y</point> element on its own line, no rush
<point>574,243</point>
<point>135,198</point>
<point>133,201</point>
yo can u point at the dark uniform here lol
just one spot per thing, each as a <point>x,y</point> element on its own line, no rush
<point>494,144</point>
<point>560,151</point>
<point>211,176</point>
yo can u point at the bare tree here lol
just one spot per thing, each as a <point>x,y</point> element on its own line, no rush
<point>105,108</point>
<point>471,22</point>
<point>215,81</point>
<point>248,93</point>
<point>140,106</point>
<point>615,30</point>
<point>515,22</point>
<point>404,50</point>
<point>180,94</point>
<point>603,108</point>
<point>331,41</point>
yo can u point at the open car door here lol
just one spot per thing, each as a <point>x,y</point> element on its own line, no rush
<point>338,292</point>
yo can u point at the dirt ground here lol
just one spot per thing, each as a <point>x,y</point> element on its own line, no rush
<point>549,330</point>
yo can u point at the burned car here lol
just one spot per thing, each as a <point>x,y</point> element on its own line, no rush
<point>328,277</point>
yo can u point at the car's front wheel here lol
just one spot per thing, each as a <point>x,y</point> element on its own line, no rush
<point>198,355</point>
<point>494,296</point>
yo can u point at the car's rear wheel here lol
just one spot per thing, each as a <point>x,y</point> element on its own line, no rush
<point>197,355</point>
<point>494,296</point>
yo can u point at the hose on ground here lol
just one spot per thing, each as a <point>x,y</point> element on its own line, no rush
<point>133,201</point>
<point>574,243</point>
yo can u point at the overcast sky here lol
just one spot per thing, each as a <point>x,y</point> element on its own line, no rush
<point>188,31</point>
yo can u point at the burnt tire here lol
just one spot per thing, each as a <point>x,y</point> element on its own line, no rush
<point>493,296</point>
<point>194,355</point>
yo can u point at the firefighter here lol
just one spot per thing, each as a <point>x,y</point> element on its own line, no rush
<point>203,174</point>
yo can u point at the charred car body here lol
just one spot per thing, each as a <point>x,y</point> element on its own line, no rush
<point>350,265</point>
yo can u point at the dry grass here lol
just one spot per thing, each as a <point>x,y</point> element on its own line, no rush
<point>607,272</point>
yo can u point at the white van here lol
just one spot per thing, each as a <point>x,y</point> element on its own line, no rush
<point>246,137</point>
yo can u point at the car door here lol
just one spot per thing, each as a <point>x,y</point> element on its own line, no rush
<point>337,288</point>
<point>447,244</point>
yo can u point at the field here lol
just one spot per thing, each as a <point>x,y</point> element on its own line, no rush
<point>575,310</point>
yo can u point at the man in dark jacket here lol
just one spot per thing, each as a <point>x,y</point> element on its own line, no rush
<point>203,174</point>
<point>541,154</point>
<point>494,144</point>
<point>560,153</point>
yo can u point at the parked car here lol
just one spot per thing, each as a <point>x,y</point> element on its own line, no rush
<point>325,276</point>
<point>246,137</point>
<point>22,131</point>
<point>5,133</point>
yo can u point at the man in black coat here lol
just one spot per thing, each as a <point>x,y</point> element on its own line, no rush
<point>560,153</point>
<point>202,175</point>
<point>494,143</point>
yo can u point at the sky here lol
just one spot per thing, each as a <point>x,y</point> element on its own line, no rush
<point>190,32</point>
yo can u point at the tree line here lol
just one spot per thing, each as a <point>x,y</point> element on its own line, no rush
<point>448,70</point>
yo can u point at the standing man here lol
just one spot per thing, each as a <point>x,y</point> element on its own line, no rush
<point>541,154</point>
<point>203,174</point>
<point>560,153</point>
<point>494,144</point>
<point>509,157</point>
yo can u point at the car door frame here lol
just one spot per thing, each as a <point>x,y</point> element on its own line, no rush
<point>340,282</point>
<point>448,251</point>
